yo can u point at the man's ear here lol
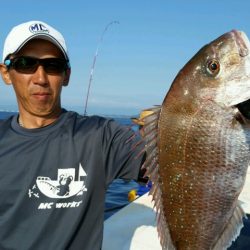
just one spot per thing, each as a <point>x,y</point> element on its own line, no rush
<point>5,74</point>
<point>66,77</point>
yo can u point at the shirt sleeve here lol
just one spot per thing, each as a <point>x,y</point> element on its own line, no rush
<point>123,152</point>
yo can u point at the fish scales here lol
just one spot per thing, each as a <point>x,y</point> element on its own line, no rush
<point>194,169</point>
<point>203,148</point>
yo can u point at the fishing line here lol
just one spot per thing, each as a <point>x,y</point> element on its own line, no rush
<point>94,62</point>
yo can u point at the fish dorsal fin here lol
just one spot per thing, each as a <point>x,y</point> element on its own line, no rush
<point>151,164</point>
<point>232,230</point>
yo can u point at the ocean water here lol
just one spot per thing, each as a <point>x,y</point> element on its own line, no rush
<point>5,114</point>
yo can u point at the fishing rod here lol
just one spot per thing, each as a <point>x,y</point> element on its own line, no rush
<point>94,61</point>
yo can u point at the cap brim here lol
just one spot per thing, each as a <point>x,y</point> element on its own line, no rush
<point>46,37</point>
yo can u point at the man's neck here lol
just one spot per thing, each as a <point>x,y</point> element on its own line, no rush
<point>31,122</point>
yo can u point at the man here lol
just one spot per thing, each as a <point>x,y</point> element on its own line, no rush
<point>55,165</point>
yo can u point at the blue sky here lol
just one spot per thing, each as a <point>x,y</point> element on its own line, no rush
<point>138,58</point>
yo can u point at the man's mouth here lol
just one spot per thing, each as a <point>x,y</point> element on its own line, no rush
<point>42,95</point>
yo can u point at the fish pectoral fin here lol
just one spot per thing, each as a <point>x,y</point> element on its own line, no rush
<point>232,230</point>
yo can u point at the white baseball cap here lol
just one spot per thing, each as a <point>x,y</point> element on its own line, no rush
<point>22,33</point>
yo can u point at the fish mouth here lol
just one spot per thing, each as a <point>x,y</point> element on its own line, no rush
<point>243,109</point>
<point>235,93</point>
<point>244,46</point>
<point>242,42</point>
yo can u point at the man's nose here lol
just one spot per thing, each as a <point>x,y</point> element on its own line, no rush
<point>40,76</point>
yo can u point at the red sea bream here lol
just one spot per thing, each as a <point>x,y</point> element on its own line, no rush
<point>198,147</point>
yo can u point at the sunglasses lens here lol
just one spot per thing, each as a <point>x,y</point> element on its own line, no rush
<point>54,65</point>
<point>28,65</point>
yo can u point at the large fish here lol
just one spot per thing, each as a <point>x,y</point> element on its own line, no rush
<point>198,147</point>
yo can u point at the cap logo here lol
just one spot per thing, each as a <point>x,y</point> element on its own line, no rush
<point>38,28</point>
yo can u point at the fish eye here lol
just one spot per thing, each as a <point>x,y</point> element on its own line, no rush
<point>213,67</point>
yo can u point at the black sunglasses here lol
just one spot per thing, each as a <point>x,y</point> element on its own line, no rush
<point>29,65</point>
